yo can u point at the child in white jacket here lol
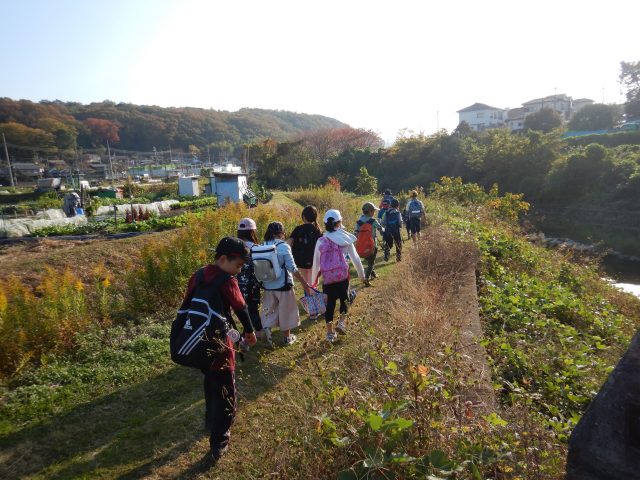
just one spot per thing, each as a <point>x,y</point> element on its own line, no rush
<point>329,259</point>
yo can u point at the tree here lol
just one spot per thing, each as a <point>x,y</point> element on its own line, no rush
<point>543,120</point>
<point>327,143</point>
<point>65,135</point>
<point>103,130</point>
<point>366,184</point>
<point>630,81</point>
<point>24,136</point>
<point>463,129</point>
<point>593,117</point>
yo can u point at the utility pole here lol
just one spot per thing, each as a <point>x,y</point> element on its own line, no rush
<point>110,163</point>
<point>6,152</point>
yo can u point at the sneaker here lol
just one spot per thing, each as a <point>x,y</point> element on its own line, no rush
<point>386,256</point>
<point>341,327</point>
<point>374,274</point>
<point>353,294</point>
<point>290,339</point>
<point>331,337</point>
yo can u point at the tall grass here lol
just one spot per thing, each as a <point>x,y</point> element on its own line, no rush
<point>326,197</point>
<point>40,321</point>
<point>47,318</point>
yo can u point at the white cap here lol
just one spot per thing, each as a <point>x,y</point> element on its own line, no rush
<point>333,213</point>
<point>247,224</point>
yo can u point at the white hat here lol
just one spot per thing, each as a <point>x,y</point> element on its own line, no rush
<point>247,224</point>
<point>333,213</point>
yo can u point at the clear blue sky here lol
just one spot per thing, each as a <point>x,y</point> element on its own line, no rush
<point>375,64</point>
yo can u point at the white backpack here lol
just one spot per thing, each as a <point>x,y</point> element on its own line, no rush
<point>266,266</point>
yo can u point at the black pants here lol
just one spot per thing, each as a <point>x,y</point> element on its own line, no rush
<point>220,402</point>
<point>335,292</point>
<point>254,313</point>
<point>414,224</point>
<point>371,261</point>
<point>393,237</point>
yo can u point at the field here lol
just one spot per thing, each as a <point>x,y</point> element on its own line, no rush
<point>471,358</point>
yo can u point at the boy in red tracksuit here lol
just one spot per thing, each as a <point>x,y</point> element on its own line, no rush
<point>219,379</point>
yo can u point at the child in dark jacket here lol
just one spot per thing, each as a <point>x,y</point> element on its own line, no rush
<point>392,223</point>
<point>219,379</point>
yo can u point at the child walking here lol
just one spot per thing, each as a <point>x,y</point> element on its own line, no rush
<point>303,242</point>
<point>329,259</point>
<point>249,285</point>
<point>366,229</point>
<point>392,223</point>
<point>415,209</point>
<point>280,306</point>
<point>216,284</point>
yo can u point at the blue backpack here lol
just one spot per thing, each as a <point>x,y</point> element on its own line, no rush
<point>393,219</point>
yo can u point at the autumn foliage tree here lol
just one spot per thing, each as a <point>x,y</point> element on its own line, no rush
<point>324,144</point>
<point>103,130</point>
<point>19,134</point>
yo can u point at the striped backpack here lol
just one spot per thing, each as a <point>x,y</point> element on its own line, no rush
<point>199,332</point>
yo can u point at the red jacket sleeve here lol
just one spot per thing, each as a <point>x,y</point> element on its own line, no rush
<point>232,295</point>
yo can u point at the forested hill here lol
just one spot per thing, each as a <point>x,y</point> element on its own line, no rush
<point>66,125</point>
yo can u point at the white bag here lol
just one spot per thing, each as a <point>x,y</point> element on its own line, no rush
<point>266,266</point>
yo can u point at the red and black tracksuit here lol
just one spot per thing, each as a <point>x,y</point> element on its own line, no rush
<point>219,379</point>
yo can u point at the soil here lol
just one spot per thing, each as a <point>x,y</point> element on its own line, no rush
<point>28,260</point>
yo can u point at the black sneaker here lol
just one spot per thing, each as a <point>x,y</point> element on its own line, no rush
<point>374,274</point>
<point>217,453</point>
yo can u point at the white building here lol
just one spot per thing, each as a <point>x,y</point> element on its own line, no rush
<point>515,119</point>
<point>480,116</point>
<point>229,184</point>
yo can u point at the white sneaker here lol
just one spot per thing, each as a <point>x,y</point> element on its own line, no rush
<point>331,337</point>
<point>341,327</point>
<point>290,339</point>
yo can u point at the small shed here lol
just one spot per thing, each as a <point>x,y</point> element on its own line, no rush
<point>228,184</point>
<point>188,186</point>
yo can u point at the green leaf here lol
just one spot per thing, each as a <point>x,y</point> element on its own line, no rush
<point>374,422</point>
<point>495,420</point>
<point>439,460</point>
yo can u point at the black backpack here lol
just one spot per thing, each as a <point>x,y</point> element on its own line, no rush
<point>303,247</point>
<point>199,333</point>
<point>248,283</point>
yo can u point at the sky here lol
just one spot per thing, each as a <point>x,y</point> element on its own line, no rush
<point>380,65</point>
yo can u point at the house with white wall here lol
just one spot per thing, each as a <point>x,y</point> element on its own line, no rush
<point>480,116</point>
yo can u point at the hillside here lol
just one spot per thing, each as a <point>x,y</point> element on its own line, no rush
<point>66,125</point>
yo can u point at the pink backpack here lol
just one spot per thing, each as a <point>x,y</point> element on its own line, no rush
<point>333,265</point>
